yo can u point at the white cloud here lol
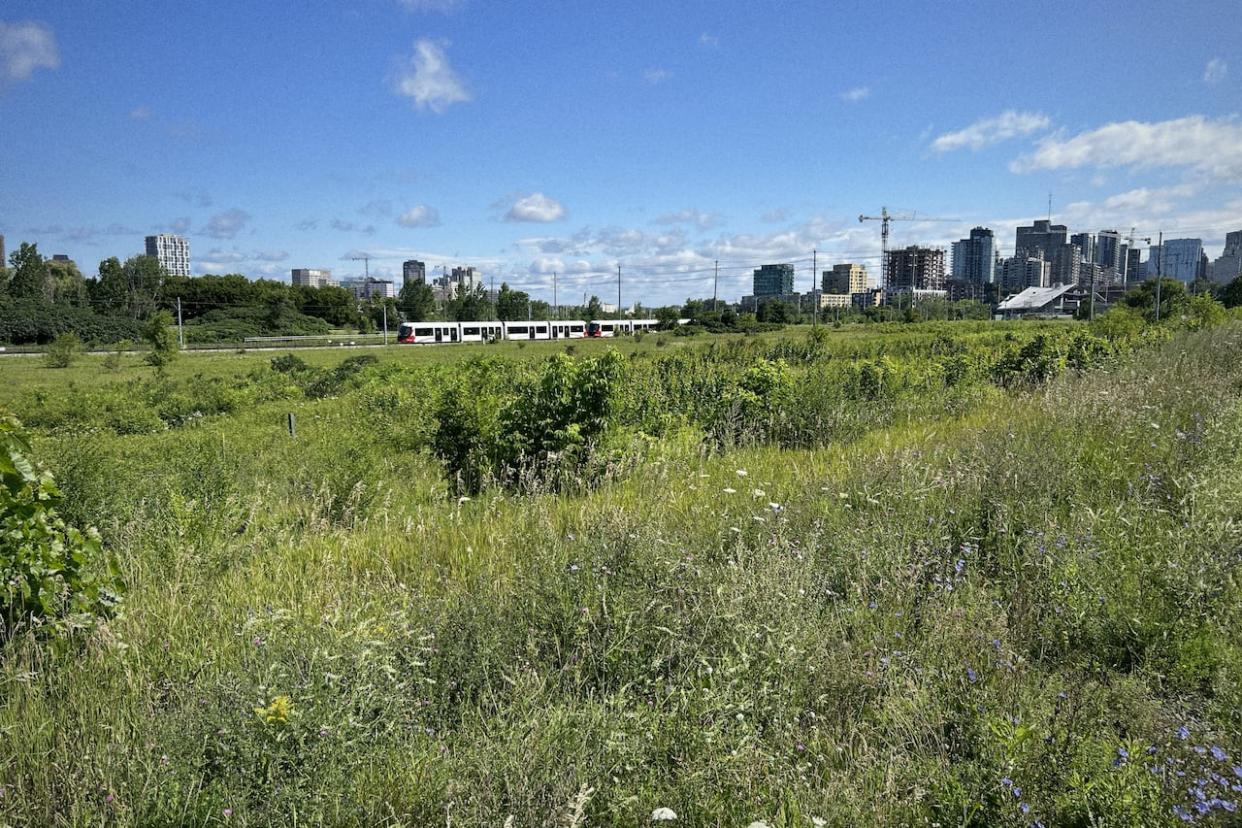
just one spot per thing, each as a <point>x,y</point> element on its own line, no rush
<point>226,225</point>
<point>777,216</point>
<point>25,47</point>
<point>987,131</point>
<point>420,215</point>
<point>1194,142</point>
<point>856,94</point>
<point>429,81</point>
<point>709,40</point>
<point>1215,71</point>
<point>140,113</point>
<point>536,207</point>
<point>221,257</point>
<point>271,255</point>
<point>547,264</point>
<point>656,75</point>
<point>704,221</point>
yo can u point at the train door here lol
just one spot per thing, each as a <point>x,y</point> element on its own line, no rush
<point>439,334</point>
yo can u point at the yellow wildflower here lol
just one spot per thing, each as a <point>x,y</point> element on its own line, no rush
<point>276,713</point>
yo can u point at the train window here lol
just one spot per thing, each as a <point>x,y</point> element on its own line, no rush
<point>469,331</point>
<point>517,329</point>
<point>422,331</point>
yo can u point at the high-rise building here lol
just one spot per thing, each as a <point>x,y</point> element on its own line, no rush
<point>1226,268</point>
<point>1064,264</point>
<point>3,261</point>
<point>1134,266</point>
<point>1108,250</point>
<point>371,288</point>
<point>974,258</point>
<point>172,251</point>
<point>774,279</point>
<point>1086,245</point>
<point>1021,272</point>
<point>845,279</point>
<point>311,277</point>
<point>1179,259</point>
<point>413,272</point>
<point>1043,235</point>
<point>914,268</point>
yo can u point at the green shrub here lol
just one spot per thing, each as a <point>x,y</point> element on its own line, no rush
<point>63,350</point>
<point>160,339</point>
<point>49,571</point>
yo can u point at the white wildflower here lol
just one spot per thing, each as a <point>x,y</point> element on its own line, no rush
<point>760,493</point>
<point>775,507</point>
<point>742,472</point>
<point>727,490</point>
<point>663,815</point>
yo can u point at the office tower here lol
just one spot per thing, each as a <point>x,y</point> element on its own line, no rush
<point>914,268</point>
<point>974,258</point>
<point>774,279</point>
<point>1180,259</point>
<point>1226,268</point>
<point>845,279</point>
<point>1043,236</point>
<point>1134,266</point>
<point>173,253</point>
<point>311,277</point>
<point>1086,245</point>
<point>413,272</point>
<point>1108,250</point>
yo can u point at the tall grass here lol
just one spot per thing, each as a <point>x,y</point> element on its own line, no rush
<point>976,607</point>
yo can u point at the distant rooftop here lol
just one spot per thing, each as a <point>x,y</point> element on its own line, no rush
<point>1034,298</point>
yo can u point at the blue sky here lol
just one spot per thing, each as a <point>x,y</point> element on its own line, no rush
<point>530,137</point>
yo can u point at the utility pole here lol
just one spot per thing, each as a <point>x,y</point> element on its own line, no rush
<point>385,305</point>
<point>715,284</point>
<point>556,308</point>
<point>1159,275</point>
<point>618,291</point>
<point>180,328</point>
<point>814,295</point>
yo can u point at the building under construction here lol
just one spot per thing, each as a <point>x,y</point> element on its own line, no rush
<point>915,269</point>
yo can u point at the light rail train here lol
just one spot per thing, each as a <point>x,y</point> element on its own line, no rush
<point>441,333</point>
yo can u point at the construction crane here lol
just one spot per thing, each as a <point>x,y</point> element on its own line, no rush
<point>884,218</point>
<point>365,258</point>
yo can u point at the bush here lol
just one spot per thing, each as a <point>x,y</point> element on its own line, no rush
<point>63,350</point>
<point>47,568</point>
<point>158,334</point>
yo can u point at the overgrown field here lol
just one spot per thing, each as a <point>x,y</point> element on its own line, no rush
<point>944,574</point>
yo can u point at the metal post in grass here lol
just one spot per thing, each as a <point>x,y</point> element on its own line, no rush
<point>293,425</point>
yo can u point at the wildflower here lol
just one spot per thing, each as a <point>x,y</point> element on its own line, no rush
<point>1122,756</point>
<point>462,499</point>
<point>228,812</point>
<point>1183,733</point>
<point>759,824</point>
<point>817,822</point>
<point>276,713</point>
<point>959,566</point>
<point>775,507</point>
<point>728,490</point>
<point>1218,754</point>
<point>663,815</point>
<point>741,472</point>
<point>1017,792</point>
<point>258,641</point>
<point>760,493</point>
<point>735,530</point>
<point>1024,808</point>
<point>1006,782</point>
<point>972,675</point>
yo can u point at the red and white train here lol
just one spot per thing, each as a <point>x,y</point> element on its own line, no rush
<point>437,333</point>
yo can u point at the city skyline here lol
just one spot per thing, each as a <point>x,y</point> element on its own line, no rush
<point>664,145</point>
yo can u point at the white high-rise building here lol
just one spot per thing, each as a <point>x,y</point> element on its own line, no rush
<point>172,251</point>
<point>311,277</point>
